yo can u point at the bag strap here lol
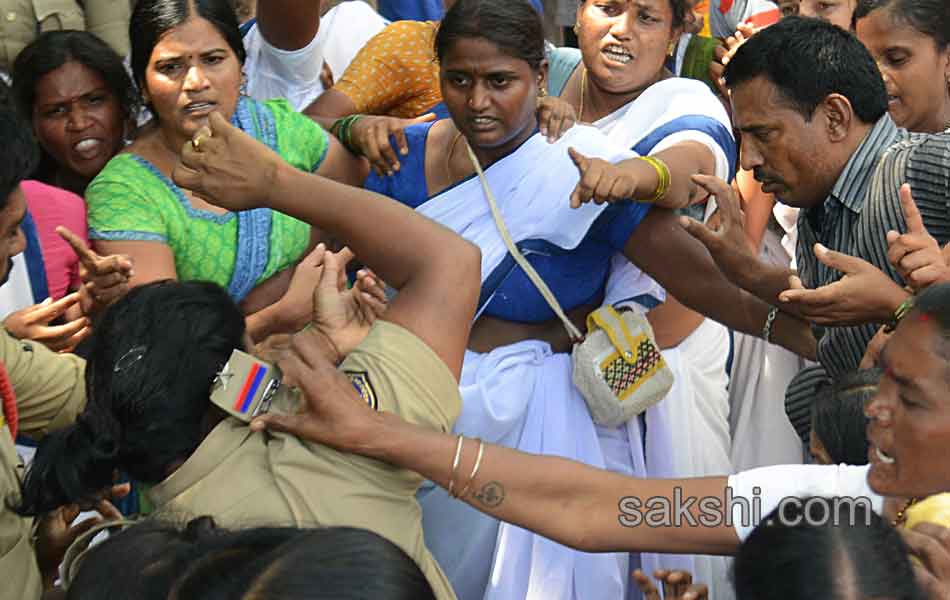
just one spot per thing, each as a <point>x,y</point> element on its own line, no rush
<point>543,288</point>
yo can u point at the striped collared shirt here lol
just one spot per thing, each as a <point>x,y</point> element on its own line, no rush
<point>862,207</point>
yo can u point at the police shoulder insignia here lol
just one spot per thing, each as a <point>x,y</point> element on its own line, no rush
<point>360,381</point>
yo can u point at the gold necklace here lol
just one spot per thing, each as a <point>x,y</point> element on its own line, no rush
<point>448,157</point>
<point>580,116</point>
<point>901,516</point>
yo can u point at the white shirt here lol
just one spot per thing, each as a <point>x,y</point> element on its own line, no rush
<point>295,74</point>
<point>771,485</point>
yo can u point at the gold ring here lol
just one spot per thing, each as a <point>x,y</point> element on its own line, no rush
<point>196,141</point>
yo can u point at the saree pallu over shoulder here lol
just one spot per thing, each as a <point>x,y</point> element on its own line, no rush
<point>535,207</point>
<point>668,108</point>
<point>254,226</point>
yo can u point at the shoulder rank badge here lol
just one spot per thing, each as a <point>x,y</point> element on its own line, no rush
<point>360,381</point>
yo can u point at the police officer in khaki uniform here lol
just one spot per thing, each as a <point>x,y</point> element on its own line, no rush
<point>274,479</point>
<point>22,20</point>
<point>50,394</point>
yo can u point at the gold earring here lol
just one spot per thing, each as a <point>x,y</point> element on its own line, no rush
<point>577,28</point>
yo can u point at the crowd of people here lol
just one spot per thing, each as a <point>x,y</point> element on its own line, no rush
<point>297,299</point>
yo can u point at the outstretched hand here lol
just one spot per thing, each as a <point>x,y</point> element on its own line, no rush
<point>105,279</point>
<point>370,137</point>
<point>916,255</point>
<point>33,323</point>
<point>600,181</point>
<point>226,167</point>
<point>863,295</point>
<point>725,239</point>
<point>344,315</point>
<point>335,414</point>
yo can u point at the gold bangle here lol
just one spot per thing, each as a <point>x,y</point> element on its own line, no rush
<point>901,312</point>
<point>662,173</point>
<point>455,465</point>
<point>478,463</point>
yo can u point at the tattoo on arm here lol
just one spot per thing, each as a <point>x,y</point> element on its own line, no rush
<point>491,495</point>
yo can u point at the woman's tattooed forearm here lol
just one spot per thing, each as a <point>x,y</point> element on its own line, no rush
<point>491,495</point>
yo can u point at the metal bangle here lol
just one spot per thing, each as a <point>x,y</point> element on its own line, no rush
<point>478,463</point>
<point>769,321</point>
<point>455,465</point>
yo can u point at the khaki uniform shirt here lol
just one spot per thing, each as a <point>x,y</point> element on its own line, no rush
<point>246,479</point>
<point>21,21</point>
<point>50,391</point>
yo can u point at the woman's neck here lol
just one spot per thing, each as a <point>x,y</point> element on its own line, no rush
<point>71,182</point>
<point>599,103</point>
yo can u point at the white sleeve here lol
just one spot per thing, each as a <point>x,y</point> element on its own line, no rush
<point>275,73</point>
<point>764,489</point>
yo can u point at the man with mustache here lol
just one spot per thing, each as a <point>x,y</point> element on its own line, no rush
<point>811,109</point>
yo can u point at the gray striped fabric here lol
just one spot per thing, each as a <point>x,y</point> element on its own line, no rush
<point>863,206</point>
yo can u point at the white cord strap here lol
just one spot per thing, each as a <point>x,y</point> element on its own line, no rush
<point>545,291</point>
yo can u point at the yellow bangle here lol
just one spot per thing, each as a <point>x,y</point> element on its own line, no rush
<point>662,173</point>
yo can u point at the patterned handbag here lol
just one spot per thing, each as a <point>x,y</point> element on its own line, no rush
<point>618,367</point>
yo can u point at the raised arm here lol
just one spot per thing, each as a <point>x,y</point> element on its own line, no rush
<point>288,24</point>
<point>436,271</point>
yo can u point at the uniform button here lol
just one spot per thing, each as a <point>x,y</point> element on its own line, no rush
<point>11,16</point>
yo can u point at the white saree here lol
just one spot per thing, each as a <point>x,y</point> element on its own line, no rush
<point>522,395</point>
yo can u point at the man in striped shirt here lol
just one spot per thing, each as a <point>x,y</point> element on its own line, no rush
<point>810,105</point>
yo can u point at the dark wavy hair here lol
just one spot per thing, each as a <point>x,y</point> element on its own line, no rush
<point>152,20</point>
<point>512,25</point>
<point>163,560</point>
<point>824,549</point>
<point>153,359</point>
<point>53,49</point>
<point>929,17</point>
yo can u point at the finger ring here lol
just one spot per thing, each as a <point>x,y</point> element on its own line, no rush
<point>196,141</point>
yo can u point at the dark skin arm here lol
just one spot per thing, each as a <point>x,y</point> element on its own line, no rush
<point>566,501</point>
<point>438,274</point>
<point>330,106</point>
<point>661,248</point>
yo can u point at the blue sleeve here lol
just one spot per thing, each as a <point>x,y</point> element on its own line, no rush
<point>408,184</point>
<point>618,222</point>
